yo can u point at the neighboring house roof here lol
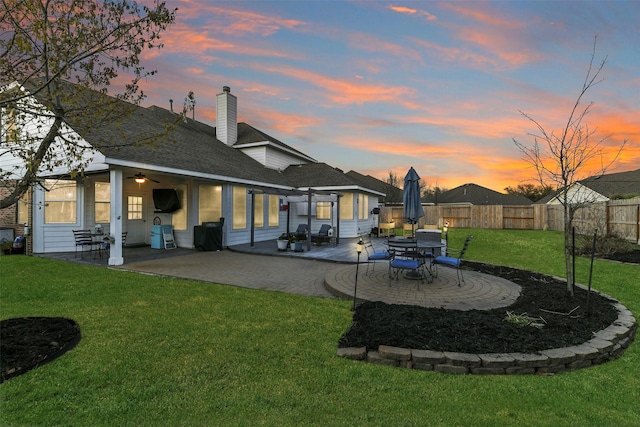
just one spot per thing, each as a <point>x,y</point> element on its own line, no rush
<point>477,195</point>
<point>391,192</point>
<point>615,184</point>
<point>609,186</point>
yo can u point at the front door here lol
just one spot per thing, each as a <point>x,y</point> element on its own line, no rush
<point>136,220</point>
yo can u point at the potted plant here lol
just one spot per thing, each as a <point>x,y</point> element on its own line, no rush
<point>295,244</point>
<point>283,242</point>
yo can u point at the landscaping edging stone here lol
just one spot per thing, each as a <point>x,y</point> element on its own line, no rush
<point>607,344</point>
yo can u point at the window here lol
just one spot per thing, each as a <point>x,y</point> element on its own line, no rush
<point>363,206</point>
<point>258,210</point>
<point>134,207</point>
<point>239,207</point>
<point>274,210</point>
<point>103,202</point>
<point>60,202</point>
<point>346,206</point>
<point>209,203</point>
<point>23,208</point>
<point>323,210</point>
<point>179,217</point>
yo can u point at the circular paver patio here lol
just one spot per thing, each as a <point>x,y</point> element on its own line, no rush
<point>479,291</point>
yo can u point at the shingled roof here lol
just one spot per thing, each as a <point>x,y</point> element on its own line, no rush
<point>319,174</point>
<point>155,138</point>
<point>615,184</point>
<point>611,186</point>
<point>188,146</point>
<point>392,193</point>
<point>248,135</point>
<point>477,195</point>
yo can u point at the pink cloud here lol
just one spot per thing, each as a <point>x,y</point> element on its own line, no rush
<point>410,11</point>
<point>234,21</point>
<point>491,18</point>
<point>187,40</point>
<point>371,43</point>
<point>343,92</point>
<point>503,38</point>
<point>285,123</point>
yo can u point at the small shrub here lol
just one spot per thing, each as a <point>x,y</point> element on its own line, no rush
<point>605,245</point>
<point>523,319</point>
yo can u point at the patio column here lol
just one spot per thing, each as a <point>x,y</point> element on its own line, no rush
<point>253,216</point>
<point>115,228</point>
<point>309,193</point>
<point>338,219</point>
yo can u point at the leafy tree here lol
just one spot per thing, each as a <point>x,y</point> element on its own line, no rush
<point>560,158</point>
<point>44,45</point>
<point>530,191</point>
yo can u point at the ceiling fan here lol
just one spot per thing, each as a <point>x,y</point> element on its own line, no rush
<point>140,178</point>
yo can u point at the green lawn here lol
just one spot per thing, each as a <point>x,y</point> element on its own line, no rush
<point>157,351</point>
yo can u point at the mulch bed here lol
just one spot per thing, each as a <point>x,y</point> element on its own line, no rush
<point>561,320</point>
<point>28,342</point>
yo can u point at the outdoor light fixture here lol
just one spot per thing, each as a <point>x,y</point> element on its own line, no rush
<point>359,247</point>
<point>445,228</point>
<point>140,180</point>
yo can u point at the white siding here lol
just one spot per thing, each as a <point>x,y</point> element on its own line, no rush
<point>278,160</point>
<point>578,193</point>
<point>256,153</point>
<point>272,158</point>
<point>35,129</point>
<point>226,117</point>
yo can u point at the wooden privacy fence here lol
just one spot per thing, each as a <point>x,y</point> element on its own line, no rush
<point>615,217</point>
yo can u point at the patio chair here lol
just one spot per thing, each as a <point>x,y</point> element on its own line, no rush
<point>301,232</point>
<point>322,235</point>
<point>454,261</point>
<point>106,244</point>
<point>83,239</point>
<point>430,236</point>
<point>374,255</point>
<point>411,260</point>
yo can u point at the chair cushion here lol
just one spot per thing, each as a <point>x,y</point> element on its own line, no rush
<point>380,255</point>
<point>446,260</point>
<point>406,264</point>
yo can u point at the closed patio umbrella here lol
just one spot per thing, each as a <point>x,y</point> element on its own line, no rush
<point>412,206</point>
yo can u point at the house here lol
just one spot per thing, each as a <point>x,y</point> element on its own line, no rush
<point>599,188</point>
<point>473,194</point>
<point>191,174</point>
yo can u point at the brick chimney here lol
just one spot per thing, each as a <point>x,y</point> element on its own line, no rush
<point>227,116</point>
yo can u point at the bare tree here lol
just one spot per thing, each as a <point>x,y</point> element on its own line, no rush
<point>560,158</point>
<point>44,46</point>
<point>394,195</point>
<point>432,193</point>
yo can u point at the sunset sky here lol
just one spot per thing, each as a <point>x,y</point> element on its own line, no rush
<point>382,86</point>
